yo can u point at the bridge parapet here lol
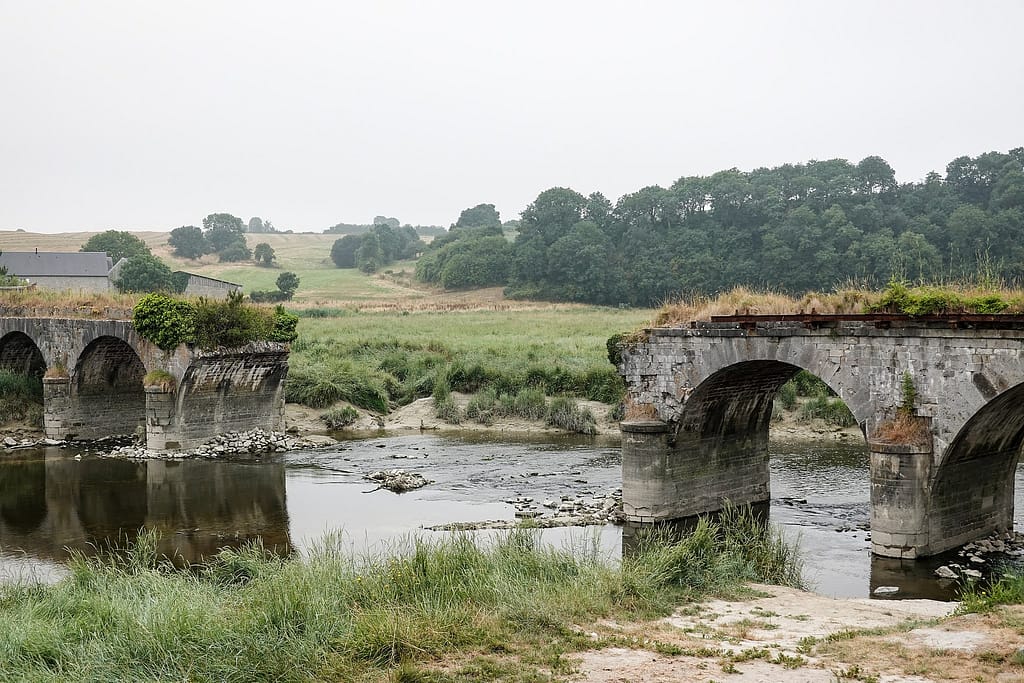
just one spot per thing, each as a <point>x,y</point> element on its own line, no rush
<point>712,384</point>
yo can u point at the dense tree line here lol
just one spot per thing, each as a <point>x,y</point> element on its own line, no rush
<point>372,250</point>
<point>473,253</point>
<point>794,227</point>
<point>221,234</point>
<point>394,223</point>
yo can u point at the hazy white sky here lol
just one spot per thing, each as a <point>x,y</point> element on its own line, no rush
<point>146,115</point>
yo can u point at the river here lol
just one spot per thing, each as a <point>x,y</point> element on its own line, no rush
<point>51,502</point>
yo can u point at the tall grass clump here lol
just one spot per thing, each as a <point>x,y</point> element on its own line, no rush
<point>722,551</point>
<point>444,404</point>
<point>831,410</point>
<point>319,383</point>
<point>339,418</point>
<point>330,615</point>
<point>21,398</point>
<point>565,413</point>
<point>1006,589</point>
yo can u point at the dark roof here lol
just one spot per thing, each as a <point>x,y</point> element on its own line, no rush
<point>30,264</point>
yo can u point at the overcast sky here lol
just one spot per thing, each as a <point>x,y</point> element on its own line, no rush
<point>147,115</point>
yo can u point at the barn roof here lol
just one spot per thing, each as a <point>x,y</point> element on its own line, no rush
<point>28,264</point>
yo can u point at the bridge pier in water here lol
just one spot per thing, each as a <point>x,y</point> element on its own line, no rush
<point>710,387</point>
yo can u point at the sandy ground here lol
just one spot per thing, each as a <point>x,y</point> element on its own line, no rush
<point>792,636</point>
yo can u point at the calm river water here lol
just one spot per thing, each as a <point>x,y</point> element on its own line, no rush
<point>51,502</point>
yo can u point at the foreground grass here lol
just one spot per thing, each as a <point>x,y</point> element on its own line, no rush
<point>329,616</point>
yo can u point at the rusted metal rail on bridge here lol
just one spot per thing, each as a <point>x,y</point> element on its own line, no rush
<point>750,321</point>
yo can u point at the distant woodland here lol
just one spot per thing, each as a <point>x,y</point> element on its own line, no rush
<point>794,228</point>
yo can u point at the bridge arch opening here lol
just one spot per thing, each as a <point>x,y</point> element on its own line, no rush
<point>973,488</point>
<point>716,449</point>
<point>22,367</point>
<point>107,385</point>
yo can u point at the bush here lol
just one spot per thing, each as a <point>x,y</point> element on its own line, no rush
<point>164,320</point>
<point>529,404</point>
<point>565,414</point>
<point>339,418</point>
<point>285,324</point>
<point>229,323</point>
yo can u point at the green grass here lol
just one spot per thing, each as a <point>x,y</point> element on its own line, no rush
<point>21,398</point>
<point>330,616</point>
<point>401,355</point>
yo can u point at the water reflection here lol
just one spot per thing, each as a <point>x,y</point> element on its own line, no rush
<point>50,502</point>
<point>54,504</point>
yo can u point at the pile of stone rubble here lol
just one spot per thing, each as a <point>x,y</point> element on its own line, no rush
<point>252,442</point>
<point>1009,545</point>
<point>398,481</point>
<point>566,511</point>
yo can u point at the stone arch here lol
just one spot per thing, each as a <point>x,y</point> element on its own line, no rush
<point>716,449</point>
<point>973,483</point>
<point>21,355</point>
<point>106,386</point>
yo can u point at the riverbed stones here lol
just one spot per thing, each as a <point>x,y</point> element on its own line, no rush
<point>398,481</point>
<point>252,442</point>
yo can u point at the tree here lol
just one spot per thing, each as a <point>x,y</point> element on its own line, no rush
<point>264,254</point>
<point>144,273</point>
<point>117,243</point>
<point>222,230</point>
<point>343,252</point>
<point>188,242</point>
<point>288,282</point>
<point>479,216</point>
<point>235,251</point>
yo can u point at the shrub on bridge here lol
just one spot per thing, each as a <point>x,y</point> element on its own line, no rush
<point>164,320</point>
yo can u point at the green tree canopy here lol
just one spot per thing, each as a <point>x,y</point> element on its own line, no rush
<point>117,243</point>
<point>288,282</point>
<point>264,254</point>
<point>144,273</point>
<point>188,242</point>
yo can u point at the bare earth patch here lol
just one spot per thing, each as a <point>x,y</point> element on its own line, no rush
<point>792,636</point>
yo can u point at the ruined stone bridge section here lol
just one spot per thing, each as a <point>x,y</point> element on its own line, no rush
<point>708,389</point>
<point>93,375</point>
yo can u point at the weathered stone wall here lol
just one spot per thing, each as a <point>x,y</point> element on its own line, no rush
<point>712,385</point>
<point>221,392</point>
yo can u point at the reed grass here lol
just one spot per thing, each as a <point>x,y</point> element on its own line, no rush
<point>251,616</point>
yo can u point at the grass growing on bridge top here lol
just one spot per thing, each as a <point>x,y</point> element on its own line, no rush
<point>897,297</point>
<point>331,616</point>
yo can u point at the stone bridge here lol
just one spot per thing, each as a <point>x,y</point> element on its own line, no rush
<point>93,374</point>
<point>700,403</point>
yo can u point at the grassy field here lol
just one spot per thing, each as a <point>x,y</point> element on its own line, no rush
<point>382,340</point>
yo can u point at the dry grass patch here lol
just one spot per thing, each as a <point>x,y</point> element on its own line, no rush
<point>44,303</point>
<point>904,429</point>
<point>987,651</point>
<point>744,301</point>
